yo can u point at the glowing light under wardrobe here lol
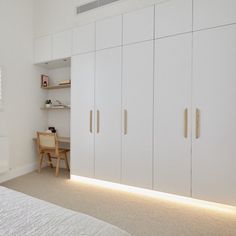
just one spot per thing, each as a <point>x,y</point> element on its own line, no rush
<point>155,194</point>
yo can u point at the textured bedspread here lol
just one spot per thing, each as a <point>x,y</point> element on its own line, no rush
<point>24,215</point>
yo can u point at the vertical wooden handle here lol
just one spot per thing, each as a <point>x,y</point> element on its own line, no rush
<point>98,121</point>
<point>125,122</point>
<point>186,123</point>
<point>198,123</point>
<point>91,122</point>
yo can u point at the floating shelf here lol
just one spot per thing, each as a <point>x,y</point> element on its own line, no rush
<point>57,87</point>
<point>66,62</point>
<point>55,108</point>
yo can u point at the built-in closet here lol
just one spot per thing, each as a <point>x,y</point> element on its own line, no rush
<point>152,98</point>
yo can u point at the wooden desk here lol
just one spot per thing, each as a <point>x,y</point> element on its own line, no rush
<point>61,140</point>
<point>64,140</point>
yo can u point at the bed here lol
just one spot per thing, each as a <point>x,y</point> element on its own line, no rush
<point>24,215</point>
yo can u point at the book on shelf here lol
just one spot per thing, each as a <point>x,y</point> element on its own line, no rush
<point>65,82</point>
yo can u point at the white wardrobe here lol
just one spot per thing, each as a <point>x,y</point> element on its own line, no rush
<point>153,99</point>
<point>172,126</point>
<point>138,114</point>
<point>107,139</point>
<point>214,94</point>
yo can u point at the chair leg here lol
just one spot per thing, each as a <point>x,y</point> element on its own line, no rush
<point>40,162</point>
<point>66,161</point>
<point>50,160</point>
<point>58,165</point>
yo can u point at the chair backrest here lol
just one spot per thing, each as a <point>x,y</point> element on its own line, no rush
<point>47,142</point>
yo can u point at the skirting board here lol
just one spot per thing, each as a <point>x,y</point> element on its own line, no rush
<point>16,172</point>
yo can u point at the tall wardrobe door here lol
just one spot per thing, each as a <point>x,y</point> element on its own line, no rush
<point>108,115</point>
<point>137,114</point>
<point>214,136</point>
<point>82,115</point>
<point>172,117</point>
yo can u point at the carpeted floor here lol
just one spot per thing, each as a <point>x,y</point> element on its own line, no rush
<point>140,216</point>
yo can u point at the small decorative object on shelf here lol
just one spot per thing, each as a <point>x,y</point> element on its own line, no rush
<point>55,105</point>
<point>48,103</point>
<point>44,81</point>
<point>58,104</point>
<point>52,129</point>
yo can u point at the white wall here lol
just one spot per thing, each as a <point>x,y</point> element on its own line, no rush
<point>21,116</point>
<point>57,15</point>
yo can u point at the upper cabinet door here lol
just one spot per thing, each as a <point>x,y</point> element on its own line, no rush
<point>211,13</point>
<point>84,39</point>
<point>43,49</point>
<point>214,94</point>
<point>137,129</point>
<point>82,115</point>
<point>108,114</point>
<point>62,44</point>
<point>109,33</point>
<point>138,25</point>
<point>172,116</point>
<point>173,17</point>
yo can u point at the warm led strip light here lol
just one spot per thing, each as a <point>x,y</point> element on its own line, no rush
<point>155,194</point>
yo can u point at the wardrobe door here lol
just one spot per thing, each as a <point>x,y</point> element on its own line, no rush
<point>173,17</point>
<point>108,115</point>
<point>214,136</point>
<point>132,32</point>
<point>82,115</point>
<point>43,49</point>
<point>62,45</point>
<point>172,117</point>
<point>137,114</point>
<point>84,39</point>
<point>212,13</point>
<point>109,32</point>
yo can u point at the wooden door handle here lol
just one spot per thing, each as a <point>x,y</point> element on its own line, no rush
<point>198,123</point>
<point>186,123</point>
<point>98,121</point>
<point>91,122</point>
<point>125,122</point>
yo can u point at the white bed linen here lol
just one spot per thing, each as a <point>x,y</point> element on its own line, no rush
<point>24,215</point>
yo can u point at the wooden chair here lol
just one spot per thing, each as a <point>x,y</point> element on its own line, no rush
<point>48,146</point>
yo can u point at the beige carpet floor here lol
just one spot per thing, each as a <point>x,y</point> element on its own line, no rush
<point>140,216</point>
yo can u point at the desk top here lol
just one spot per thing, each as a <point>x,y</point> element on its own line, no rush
<point>60,139</point>
<point>64,139</point>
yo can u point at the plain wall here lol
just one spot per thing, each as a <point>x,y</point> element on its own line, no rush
<point>21,116</point>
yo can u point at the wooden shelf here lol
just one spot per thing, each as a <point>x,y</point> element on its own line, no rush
<point>57,87</point>
<point>66,62</point>
<point>55,108</point>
